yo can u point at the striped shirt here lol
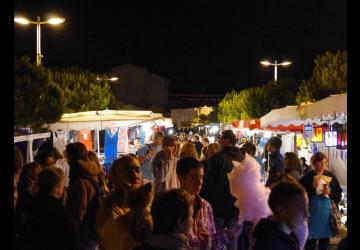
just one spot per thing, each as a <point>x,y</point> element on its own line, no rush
<point>204,221</point>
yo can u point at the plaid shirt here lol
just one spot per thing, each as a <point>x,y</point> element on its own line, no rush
<point>204,219</point>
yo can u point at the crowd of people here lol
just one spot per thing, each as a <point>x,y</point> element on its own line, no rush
<point>178,192</point>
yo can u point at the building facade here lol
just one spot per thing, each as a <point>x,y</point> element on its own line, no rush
<point>137,86</point>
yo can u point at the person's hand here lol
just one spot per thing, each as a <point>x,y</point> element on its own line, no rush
<point>316,182</point>
<point>152,151</point>
<point>234,232</point>
<point>205,239</point>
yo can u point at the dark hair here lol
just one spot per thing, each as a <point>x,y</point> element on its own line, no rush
<point>279,178</point>
<point>282,193</point>
<point>48,178</point>
<point>250,148</point>
<point>229,135</point>
<point>158,134</point>
<point>168,207</point>
<point>275,141</point>
<point>303,160</point>
<point>41,157</point>
<point>57,155</point>
<point>197,137</point>
<point>76,151</point>
<point>292,162</point>
<point>169,141</point>
<point>18,161</point>
<point>319,156</point>
<point>185,164</point>
<point>206,140</point>
<point>28,168</point>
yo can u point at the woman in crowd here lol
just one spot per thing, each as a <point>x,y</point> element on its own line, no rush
<point>27,187</point>
<point>172,214</point>
<point>124,219</point>
<point>188,149</point>
<point>293,165</point>
<point>323,188</point>
<point>104,190</point>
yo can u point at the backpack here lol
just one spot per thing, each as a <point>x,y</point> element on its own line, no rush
<point>87,227</point>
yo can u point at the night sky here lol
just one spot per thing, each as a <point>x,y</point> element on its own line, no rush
<point>213,47</point>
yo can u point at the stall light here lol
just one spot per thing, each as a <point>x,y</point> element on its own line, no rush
<point>214,129</point>
<point>171,131</point>
<point>267,134</point>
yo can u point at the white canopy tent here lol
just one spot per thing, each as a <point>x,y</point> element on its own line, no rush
<point>283,116</point>
<point>104,119</point>
<point>99,120</point>
<point>332,109</point>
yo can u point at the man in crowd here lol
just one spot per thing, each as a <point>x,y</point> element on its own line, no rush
<point>163,166</point>
<point>276,162</point>
<point>147,153</point>
<point>216,188</point>
<point>191,173</point>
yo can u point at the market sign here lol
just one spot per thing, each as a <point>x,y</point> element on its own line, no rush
<point>308,131</point>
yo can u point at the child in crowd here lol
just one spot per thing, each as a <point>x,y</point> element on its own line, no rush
<point>288,202</point>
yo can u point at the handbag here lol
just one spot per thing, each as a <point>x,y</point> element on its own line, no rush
<point>335,218</point>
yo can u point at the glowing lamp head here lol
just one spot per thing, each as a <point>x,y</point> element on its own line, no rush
<point>285,63</point>
<point>21,20</point>
<point>266,63</point>
<point>56,20</point>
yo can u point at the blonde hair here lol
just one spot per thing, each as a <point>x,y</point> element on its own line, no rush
<point>188,149</point>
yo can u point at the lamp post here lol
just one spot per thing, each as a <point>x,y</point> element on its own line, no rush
<point>267,63</point>
<point>52,21</point>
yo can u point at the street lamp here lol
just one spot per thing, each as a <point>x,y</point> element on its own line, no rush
<point>113,79</point>
<point>267,63</point>
<point>52,21</point>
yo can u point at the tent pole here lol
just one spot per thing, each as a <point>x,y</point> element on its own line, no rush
<point>98,141</point>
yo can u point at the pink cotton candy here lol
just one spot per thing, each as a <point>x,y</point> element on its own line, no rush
<point>246,187</point>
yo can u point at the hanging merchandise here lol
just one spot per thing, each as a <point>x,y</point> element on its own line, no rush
<point>142,136</point>
<point>85,138</point>
<point>110,148</point>
<point>123,141</point>
<point>73,136</point>
<point>299,139</point>
<point>314,148</point>
<point>317,135</point>
<point>59,140</point>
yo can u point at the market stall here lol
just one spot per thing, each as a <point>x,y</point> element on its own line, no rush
<point>333,112</point>
<point>109,132</point>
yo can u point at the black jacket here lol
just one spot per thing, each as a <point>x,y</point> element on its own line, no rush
<point>268,235</point>
<point>54,228</point>
<point>335,189</point>
<point>276,163</point>
<point>216,188</point>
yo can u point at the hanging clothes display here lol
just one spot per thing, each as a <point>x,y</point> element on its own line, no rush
<point>59,140</point>
<point>85,138</point>
<point>94,140</point>
<point>142,136</point>
<point>123,141</point>
<point>73,136</point>
<point>110,147</point>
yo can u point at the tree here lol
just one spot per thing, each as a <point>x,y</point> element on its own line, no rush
<point>255,102</point>
<point>82,91</point>
<point>38,99</point>
<point>329,77</point>
<point>213,116</point>
<point>203,119</point>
